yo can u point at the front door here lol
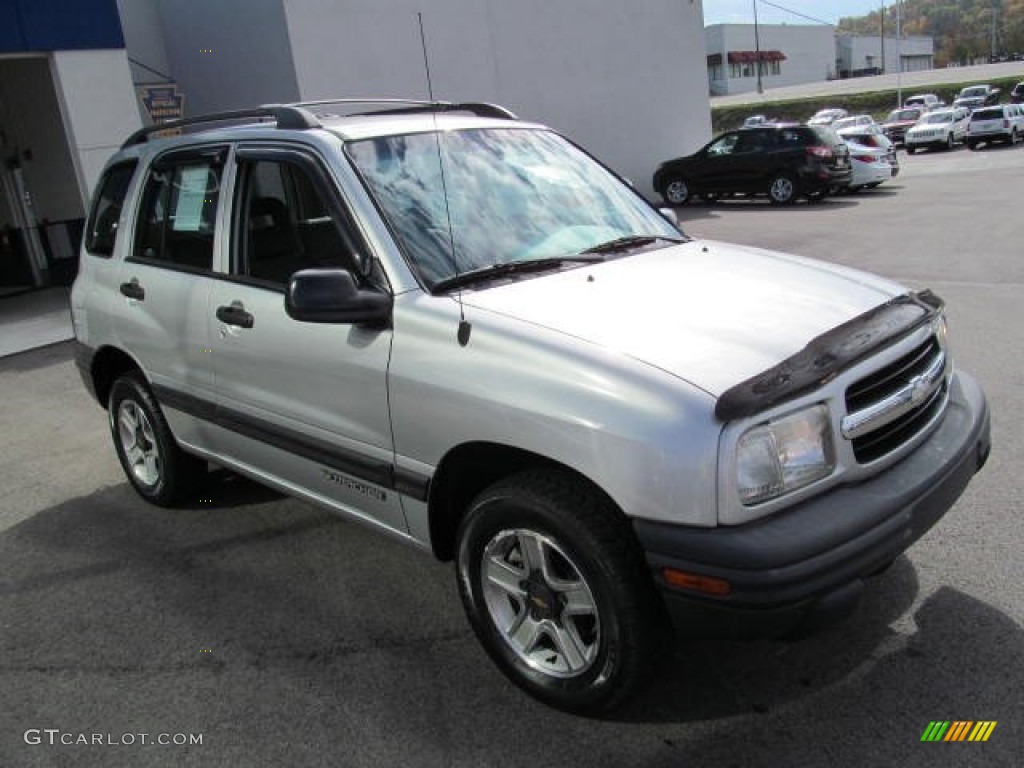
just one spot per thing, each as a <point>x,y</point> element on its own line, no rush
<point>303,403</point>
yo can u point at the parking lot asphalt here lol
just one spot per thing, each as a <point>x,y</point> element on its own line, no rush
<point>282,636</point>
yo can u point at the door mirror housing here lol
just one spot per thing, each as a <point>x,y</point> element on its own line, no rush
<point>334,296</point>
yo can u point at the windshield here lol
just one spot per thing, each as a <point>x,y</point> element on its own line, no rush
<point>904,114</point>
<point>976,91</point>
<point>513,195</point>
<point>938,117</point>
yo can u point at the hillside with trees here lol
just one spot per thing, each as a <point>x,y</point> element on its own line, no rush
<point>965,31</point>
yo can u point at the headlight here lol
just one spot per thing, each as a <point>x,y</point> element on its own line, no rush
<point>781,456</point>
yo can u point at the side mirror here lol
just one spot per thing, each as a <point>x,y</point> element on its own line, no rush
<point>670,214</point>
<point>332,296</point>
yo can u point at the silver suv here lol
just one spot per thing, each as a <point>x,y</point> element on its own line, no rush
<point>461,329</point>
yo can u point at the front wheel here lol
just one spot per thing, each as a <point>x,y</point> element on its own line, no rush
<point>949,141</point>
<point>911,149</point>
<point>677,191</point>
<point>557,590</point>
<point>156,467</point>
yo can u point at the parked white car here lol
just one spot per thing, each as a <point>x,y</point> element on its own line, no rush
<point>928,101</point>
<point>940,129</point>
<point>1002,122</point>
<point>872,156</point>
<point>827,116</point>
<point>852,121</point>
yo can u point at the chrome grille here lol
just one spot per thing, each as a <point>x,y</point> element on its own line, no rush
<point>890,406</point>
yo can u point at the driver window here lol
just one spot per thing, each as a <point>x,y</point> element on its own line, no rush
<point>725,145</point>
<point>286,224</point>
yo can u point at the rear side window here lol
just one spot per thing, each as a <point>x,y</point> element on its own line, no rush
<point>178,214</point>
<point>101,231</point>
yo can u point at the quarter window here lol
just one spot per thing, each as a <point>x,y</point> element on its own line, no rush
<point>106,210</point>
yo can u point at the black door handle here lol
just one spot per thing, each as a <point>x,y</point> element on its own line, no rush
<point>235,315</point>
<point>133,290</point>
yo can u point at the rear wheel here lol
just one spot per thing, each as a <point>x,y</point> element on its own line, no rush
<point>911,149</point>
<point>949,141</point>
<point>782,189</point>
<point>157,468</point>
<point>676,191</point>
<point>557,590</point>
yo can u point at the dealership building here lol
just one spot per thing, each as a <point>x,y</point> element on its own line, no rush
<point>794,54</point>
<point>621,79</point>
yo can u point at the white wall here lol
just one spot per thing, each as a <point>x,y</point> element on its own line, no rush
<point>626,79</point>
<point>144,38</point>
<point>228,54</point>
<point>98,108</point>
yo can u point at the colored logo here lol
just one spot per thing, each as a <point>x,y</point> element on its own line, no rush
<point>958,730</point>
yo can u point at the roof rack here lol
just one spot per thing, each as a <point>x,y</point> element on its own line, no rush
<point>300,115</point>
<point>413,106</point>
<point>287,116</point>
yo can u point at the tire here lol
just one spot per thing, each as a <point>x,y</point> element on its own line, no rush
<point>677,191</point>
<point>710,198</point>
<point>873,185</point>
<point>157,468</point>
<point>817,195</point>
<point>972,145</point>
<point>911,150</point>
<point>949,141</point>
<point>782,189</point>
<point>528,548</point>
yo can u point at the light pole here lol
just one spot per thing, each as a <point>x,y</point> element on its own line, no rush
<point>757,50</point>
<point>899,55</point>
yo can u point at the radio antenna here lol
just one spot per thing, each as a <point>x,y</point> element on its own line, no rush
<point>464,326</point>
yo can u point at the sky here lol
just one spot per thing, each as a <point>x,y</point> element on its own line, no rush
<point>742,11</point>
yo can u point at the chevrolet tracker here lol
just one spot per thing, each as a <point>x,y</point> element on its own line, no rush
<point>461,329</point>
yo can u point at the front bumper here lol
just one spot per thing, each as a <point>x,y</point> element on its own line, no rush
<point>810,560</point>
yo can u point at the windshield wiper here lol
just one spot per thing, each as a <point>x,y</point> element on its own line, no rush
<point>630,241</point>
<point>504,269</point>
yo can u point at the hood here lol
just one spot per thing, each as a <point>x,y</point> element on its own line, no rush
<point>710,313</point>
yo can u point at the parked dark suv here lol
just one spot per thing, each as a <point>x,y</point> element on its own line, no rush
<point>782,161</point>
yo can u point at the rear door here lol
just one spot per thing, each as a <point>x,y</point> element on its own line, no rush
<point>304,404</point>
<point>162,307</point>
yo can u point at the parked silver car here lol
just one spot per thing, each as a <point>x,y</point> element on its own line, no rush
<point>999,123</point>
<point>462,330</point>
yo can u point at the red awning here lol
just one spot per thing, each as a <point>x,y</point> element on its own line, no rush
<point>741,57</point>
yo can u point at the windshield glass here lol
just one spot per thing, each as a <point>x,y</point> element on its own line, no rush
<point>904,114</point>
<point>975,91</point>
<point>513,195</point>
<point>938,117</point>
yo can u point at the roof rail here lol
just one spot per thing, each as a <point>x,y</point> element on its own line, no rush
<point>299,115</point>
<point>412,106</point>
<point>287,116</point>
